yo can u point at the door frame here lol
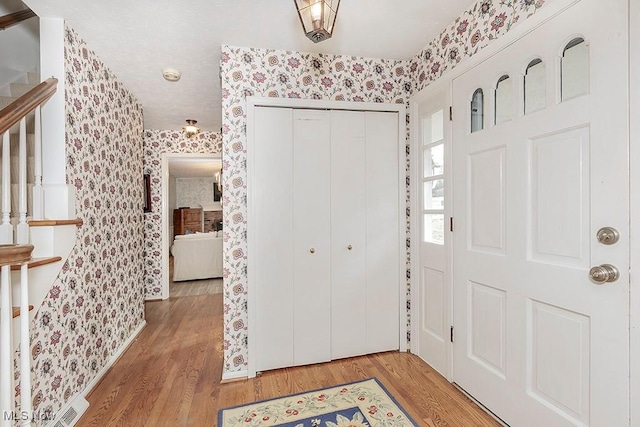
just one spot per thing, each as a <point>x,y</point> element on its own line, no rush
<point>295,103</point>
<point>167,238</point>
<point>634,203</point>
<point>549,11</point>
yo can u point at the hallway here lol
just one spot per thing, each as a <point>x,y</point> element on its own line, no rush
<point>170,376</point>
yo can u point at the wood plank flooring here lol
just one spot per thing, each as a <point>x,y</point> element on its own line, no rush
<point>170,376</point>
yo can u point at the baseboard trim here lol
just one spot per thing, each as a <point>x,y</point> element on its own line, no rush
<point>229,377</point>
<point>96,380</point>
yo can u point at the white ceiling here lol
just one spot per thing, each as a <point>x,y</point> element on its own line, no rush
<point>194,167</point>
<point>137,39</point>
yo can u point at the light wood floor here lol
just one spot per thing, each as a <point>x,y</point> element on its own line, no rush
<point>170,376</point>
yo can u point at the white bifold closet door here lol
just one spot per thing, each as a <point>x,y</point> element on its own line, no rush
<point>325,254</point>
<point>311,230</point>
<point>364,232</point>
<point>271,256</point>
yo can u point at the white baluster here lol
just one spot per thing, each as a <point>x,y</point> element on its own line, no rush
<point>25,346</point>
<point>22,231</point>
<point>6,346</point>
<point>38,201</point>
<point>6,230</point>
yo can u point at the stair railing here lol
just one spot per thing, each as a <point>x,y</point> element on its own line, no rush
<point>11,115</point>
<point>15,18</point>
<point>14,113</point>
<point>14,255</point>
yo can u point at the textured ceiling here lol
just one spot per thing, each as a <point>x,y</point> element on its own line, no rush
<point>137,39</point>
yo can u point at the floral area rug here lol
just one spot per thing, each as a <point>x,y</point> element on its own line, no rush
<point>361,404</point>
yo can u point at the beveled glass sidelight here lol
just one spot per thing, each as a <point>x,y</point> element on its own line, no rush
<point>317,17</point>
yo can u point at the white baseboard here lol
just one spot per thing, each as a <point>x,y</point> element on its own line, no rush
<point>234,376</point>
<point>113,359</point>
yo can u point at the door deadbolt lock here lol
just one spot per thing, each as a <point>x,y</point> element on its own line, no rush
<point>605,273</point>
<point>608,235</point>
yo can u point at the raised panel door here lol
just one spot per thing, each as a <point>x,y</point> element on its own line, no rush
<point>537,342</point>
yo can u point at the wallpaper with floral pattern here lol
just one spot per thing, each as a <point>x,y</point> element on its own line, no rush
<point>484,21</point>
<point>96,302</point>
<point>272,73</point>
<point>195,192</point>
<point>157,142</point>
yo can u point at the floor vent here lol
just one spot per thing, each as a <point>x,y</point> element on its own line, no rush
<point>70,414</point>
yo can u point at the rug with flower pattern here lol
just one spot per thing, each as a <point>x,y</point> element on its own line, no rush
<point>359,404</point>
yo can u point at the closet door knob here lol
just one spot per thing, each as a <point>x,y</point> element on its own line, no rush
<point>349,247</point>
<point>312,250</point>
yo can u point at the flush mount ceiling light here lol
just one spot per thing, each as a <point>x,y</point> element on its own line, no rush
<point>317,17</point>
<point>171,74</point>
<point>190,128</point>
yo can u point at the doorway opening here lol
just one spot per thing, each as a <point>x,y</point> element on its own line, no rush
<point>191,224</point>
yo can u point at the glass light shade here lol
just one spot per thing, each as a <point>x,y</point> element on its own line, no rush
<point>190,128</point>
<point>317,17</point>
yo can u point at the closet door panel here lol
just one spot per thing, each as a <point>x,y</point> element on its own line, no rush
<point>348,227</point>
<point>272,261</point>
<point>382,235</point>
<point>311,230</point>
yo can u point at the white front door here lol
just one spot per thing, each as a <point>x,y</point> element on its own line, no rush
<point>540,156</point>
<point>434,290</point>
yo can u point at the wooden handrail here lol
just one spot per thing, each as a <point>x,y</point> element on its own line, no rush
<point>14,112</point>
<point>15,254</point>
<point>15,18</point>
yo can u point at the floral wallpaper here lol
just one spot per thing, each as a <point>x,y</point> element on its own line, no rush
<point>483,22</point>
<point>271,73</point>
<point>96,302</point>
<point>157,142</point>
<point>194,192</point>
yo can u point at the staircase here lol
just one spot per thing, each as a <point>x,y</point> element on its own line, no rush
<point>30,81</point>
<point>25,280</point>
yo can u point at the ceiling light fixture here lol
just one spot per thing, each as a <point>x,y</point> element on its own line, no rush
<point>317,17</point>
<point>171,74</point>
<point>190,128</point>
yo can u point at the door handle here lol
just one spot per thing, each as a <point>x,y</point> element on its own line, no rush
<point>605,273</point>
<point>312,250</point>
<point>349,247</point>
<point>608,235</point>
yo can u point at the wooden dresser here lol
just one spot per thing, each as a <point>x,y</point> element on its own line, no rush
<point>187,219</point>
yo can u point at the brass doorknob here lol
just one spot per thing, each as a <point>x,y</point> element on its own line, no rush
<point>312,250</point>
<point>349,247</point>
<point>605,273</point>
